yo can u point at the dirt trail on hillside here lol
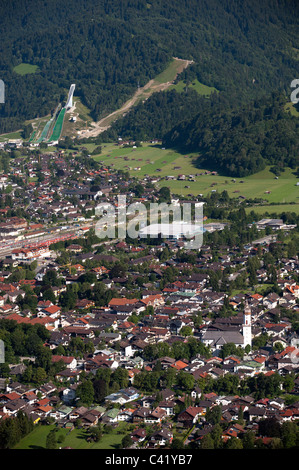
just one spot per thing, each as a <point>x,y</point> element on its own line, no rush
<point>147,90</point>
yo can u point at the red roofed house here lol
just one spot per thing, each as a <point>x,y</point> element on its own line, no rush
<point>43,411</point>
<point>84,303</point>
<point>179,365</point>
<point>233,431</point>
<point>69,361</point>
<point>189,416</point>
<point>293,290</point>
<point>154,300</point>
<point>126,325</point>
<point>48,322</point>
<point>6,397</point>
<point>44,304</point>
<point>53,311</point>
<point>116,302</point>
<point>258,297</point>
<point>6,308</point>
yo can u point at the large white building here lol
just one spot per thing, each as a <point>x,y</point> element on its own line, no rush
<point>175,230</point>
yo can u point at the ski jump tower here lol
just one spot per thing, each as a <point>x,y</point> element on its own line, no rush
<point>69,103</point>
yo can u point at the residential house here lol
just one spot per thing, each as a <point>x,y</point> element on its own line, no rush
<point>190,415</point>
<point>70,362</point>
<point>161,437</point>
<point>155,416</point>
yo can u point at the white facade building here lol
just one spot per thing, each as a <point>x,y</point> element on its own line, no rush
<point>247,333</point>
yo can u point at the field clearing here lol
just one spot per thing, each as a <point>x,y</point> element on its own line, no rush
<point>25,69</point>
<point>75,439</point>
<point>149,158</point>
<point>275,209</point>
<point>199,87</point>
<point>11,135</point>
<point>291,108</point>
<point>175,67</point>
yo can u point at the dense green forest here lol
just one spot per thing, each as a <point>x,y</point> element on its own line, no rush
<point>243,141</point>
<point>243,48</point>
<point>161,112</point>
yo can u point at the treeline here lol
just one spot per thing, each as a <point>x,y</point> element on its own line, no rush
<point>243,141</point>
<point>13,429</point>
<point>243,48</point>
<point>277,435</point>
<point>179,349</point>
<point>21,339</point>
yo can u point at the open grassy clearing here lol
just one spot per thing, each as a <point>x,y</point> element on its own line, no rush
<point>25,69</point>
<point>175,67</point>
<point>200,88</point>
<point>275,209</point>
<point>76,439</point>
<point>149,158</point>
<point>291,108</point>
<point>11,135</point>
<point>153,160</point>
<point>270,190</point>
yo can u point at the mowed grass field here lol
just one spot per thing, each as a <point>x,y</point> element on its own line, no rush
<point>151,159</point>
<point>274,209</point>
<point>199,87</point>
<point>76,439</point>
<point>25,69</point>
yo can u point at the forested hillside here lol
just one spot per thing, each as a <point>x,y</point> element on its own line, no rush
<point>244,48</point>
<point>161,112</point>
<point>243,141</point>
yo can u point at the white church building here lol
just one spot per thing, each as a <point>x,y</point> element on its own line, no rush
<point>216,339</point>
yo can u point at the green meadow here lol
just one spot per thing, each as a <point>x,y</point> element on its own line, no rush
<point>275,208</point>
<point>25,69</point>
<point>151,159</point>
<point>76,439</point>
<point>291,108</point>
<point>169,74</point>
<point>10,135</point>
<point>199,87</point>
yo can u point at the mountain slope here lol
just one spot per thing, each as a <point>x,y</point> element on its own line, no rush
<point>242,47</point>
<point>243,141</point>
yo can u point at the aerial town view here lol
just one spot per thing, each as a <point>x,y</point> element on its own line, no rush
<point>149,227</point>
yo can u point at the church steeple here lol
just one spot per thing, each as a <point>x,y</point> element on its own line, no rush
<point>247,334</point>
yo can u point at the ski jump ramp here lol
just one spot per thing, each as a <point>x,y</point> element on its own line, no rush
<point>69,103</point>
